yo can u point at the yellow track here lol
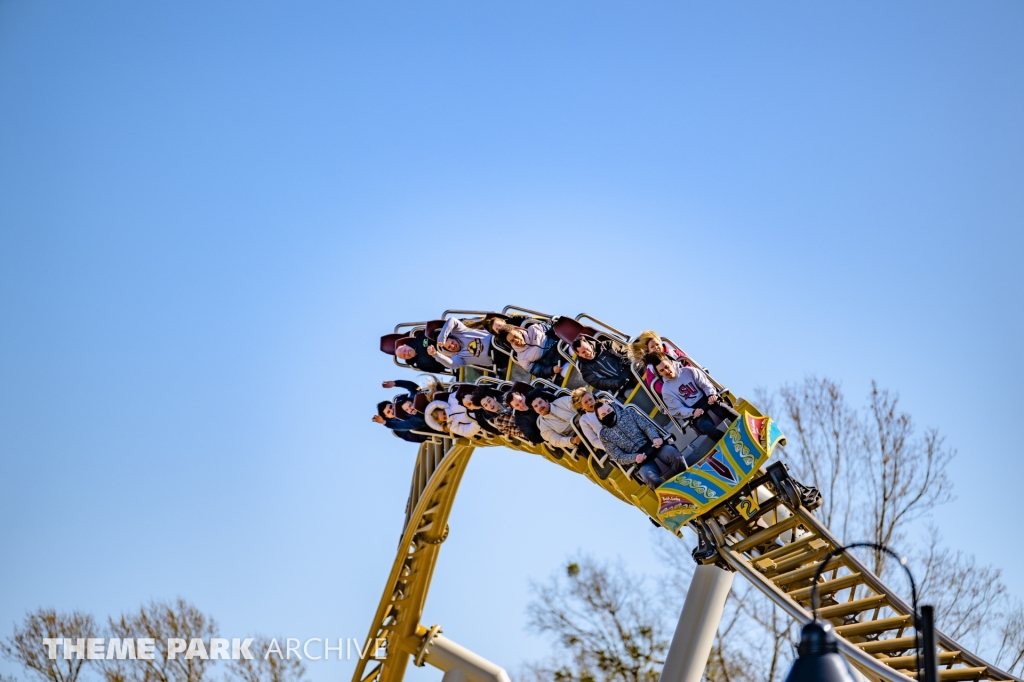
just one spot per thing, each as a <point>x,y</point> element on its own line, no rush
<point>872,621</point>
<point>778,550</point>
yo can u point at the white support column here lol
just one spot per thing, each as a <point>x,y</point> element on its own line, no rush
<point>460,664</point>
<point>698,623</point>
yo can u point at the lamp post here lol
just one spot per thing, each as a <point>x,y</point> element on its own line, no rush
<point>818,658</point>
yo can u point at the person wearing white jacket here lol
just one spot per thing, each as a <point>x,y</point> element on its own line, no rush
<point>554,419</point>
<point>459,421</point>
<point>452,417</point>
<point>583,401</point>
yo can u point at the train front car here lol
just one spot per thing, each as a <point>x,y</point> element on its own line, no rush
<point>724,474</point>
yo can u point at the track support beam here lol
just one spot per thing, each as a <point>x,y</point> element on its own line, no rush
<point>698,623</point>
<point>460,664</point>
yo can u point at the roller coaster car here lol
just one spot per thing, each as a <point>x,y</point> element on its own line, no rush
<point>723,472</point>
<point>718,472</point>
<point>388,342</point>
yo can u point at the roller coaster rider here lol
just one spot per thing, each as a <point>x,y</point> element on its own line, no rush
<point>604,365</point>
<point>414,351</point>
<point>525,417</point>
<point>650,342</point>
<point>461,346</point>
<point>629,438</point>
<point>494,413</point>
<point>536,348</point>
<point>554,418</point>
<point>400,415</point>
<point>585,404</point>
<point>402,427</point>
<point>689,394</point>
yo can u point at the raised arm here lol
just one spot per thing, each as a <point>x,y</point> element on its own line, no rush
<point>411,386</point>
<point>413,423</point>
<point>444,358</point>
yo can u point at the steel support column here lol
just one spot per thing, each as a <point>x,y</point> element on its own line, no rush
<point>460,664</point>
<point>698,623</point>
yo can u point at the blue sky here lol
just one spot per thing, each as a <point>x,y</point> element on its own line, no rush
<point>210,212</point>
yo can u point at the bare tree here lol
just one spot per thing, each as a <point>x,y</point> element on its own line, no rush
<point>265,668</point>
<point>26,645</point>
<point>823,445</point>
<point>161,621</point>
<point>967,597</point>
<point>609,623</point>
<point>1011,635</point>
<point>876,474</point>
<point>906,475</point>
<point>726,663</point>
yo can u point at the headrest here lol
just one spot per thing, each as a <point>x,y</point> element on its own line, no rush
<point>389,342</point>
<point>462,390</point>
<point>433,328</point>
<point>540,392</point>
<point>567,329</point>
<point>520,387</point>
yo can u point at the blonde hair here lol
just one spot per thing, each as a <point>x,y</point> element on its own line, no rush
<point>432,414</point>
<point>429,384</point>
<point>577,397</point>
<point>638,349</point>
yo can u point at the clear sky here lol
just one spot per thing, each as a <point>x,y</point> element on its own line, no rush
<point>209,212</point>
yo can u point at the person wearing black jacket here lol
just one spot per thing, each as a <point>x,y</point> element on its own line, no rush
<point>525,417</point>
<point>604,365</point>
<point>415,353</point>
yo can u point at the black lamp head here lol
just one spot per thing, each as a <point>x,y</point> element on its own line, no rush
<point>819,659</point>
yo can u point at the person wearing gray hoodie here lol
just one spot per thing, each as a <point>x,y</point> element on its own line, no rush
<point>462,346</point>
<point>689,394</point>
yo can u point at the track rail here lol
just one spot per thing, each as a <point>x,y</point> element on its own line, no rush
<point>781,551</point>
<point>396,625</point>
<point>778,550</point>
